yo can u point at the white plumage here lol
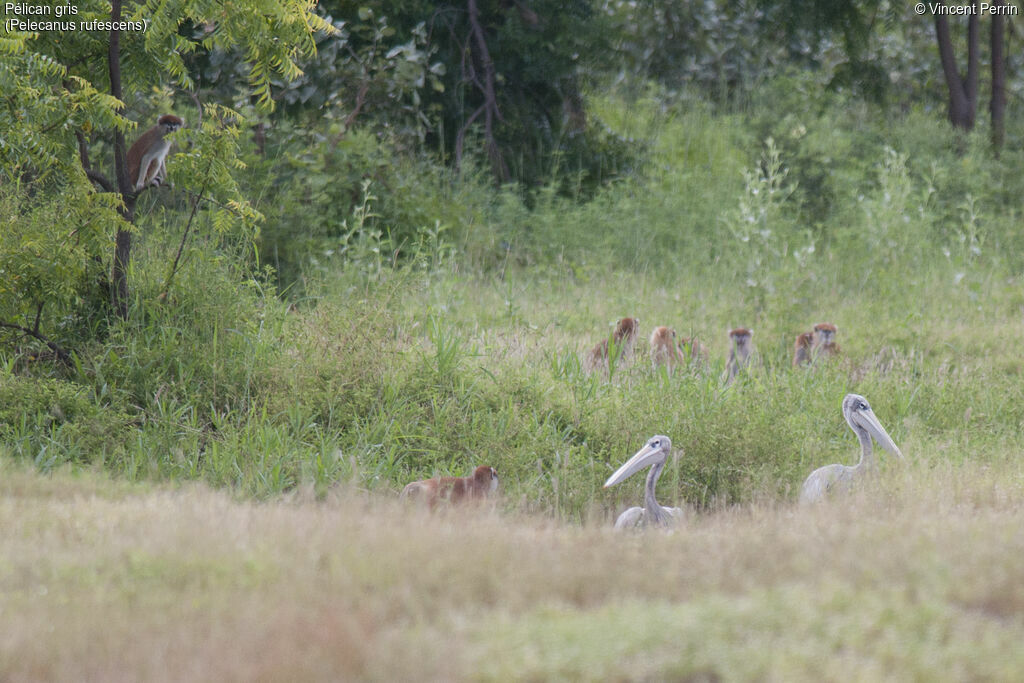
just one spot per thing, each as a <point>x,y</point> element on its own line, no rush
<point>830,478</point>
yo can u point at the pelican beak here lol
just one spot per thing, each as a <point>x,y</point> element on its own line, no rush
<point>645,456</point>
<point>876,430</point>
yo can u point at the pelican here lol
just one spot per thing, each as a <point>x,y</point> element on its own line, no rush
<point>654,453</point>
<point>837,477</point>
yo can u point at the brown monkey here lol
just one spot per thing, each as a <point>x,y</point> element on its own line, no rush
<point>482,483</point>
<point>802,349</point>
<point>146,158</point>
<point>663,348</point>
<point>623,339</point>
<point>825,340</point>
<point>740,351</point>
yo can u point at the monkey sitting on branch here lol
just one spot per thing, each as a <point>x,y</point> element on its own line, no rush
<point>146,158</point>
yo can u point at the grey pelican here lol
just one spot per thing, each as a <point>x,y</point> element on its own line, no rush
<point>837,477</point>
<point>654,454</point>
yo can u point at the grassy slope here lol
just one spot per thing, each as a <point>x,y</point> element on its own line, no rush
<point>920,579</point>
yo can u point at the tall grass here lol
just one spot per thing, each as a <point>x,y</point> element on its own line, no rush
<point>918,578</point>
<point>457,343</point>
<point>437,324</point>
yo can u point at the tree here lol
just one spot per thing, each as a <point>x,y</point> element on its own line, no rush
<point>997,105</point>
<point>963,90</point>
<point>57,115</point>
<point>504,76</point>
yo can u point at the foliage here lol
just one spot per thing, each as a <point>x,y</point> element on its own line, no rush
<point>360,73</point>
<point>502,78</point>
<point>50,256</point>
<point>439,318</point>
<point>56,114</point>
<point>52,422</point>
<point>717,49</point>
<point>47,104</point>
<point>329,203</point>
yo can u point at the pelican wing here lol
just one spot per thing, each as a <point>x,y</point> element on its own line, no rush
<point>674,514</point>
<point>632,517</point>
<point>636,516</point>
<point>821,481</point>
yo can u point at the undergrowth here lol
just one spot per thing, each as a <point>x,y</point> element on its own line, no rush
<point>430,334</point>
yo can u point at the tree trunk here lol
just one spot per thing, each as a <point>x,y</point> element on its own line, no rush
<point>963,92</point>
<point>123,244</point>
<point>477,59</point>
<point>997,106</point>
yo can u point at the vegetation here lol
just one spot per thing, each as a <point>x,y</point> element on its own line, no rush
<point>918,579</point>
<point>466,349</point>
<point>356,281</point>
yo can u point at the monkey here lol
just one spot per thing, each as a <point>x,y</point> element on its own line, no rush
<point>824,340</point>
<point>824,333</point>
<point>740,353</point>
<point>829,349</point>
<point>478,486</point>
<point>623,339</point>
<point>146,158</point>
<point>691,346</point>
<point>802,349</point>
<point>664,350</point>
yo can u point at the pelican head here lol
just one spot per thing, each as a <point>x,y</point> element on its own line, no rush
<point>862,420</point>
<point>654,452</point>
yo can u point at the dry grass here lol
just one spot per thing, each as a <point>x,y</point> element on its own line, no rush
<point>920,579</point>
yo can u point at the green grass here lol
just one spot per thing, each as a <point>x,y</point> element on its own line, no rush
<point>209,427</point>
<point>386,371</point>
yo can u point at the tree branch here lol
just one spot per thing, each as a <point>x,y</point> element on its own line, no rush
<point>123,243</point>
<point>491,111</point>
<point>100,180</point>
<point>364,87</point>
<point>962,95</point>
<point>83,151</point>
<point>997,105</point>
<point>973,55</point>
<point>61,354</point>
<point>461,135</point>
<point>199,107</point>
<point>39,314</point>
<point>94,176</point>
<point>946,57</point>
<point>184,236</point>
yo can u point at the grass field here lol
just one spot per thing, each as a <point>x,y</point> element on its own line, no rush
<point>919,579</point>
<point>210,491</point>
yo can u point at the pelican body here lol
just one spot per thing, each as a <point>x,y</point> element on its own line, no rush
<point>865,425</point>
<point>653,454</point>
